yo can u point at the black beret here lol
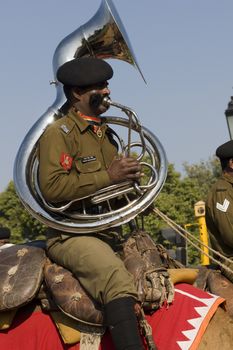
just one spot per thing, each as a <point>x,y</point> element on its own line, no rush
<point>84,72</point>
<point>225,151</point>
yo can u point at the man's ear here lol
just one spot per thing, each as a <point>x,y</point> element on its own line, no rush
<point>76,93</point>
<point>230,163</point>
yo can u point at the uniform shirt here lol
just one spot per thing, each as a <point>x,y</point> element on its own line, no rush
<point>73,160</point>
<point>219,215</point>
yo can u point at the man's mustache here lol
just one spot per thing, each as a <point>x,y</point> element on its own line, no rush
<point>97,99</point>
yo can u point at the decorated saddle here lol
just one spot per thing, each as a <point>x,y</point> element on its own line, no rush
<point>26,273</point>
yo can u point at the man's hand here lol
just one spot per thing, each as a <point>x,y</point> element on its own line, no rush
<point>123,169</point>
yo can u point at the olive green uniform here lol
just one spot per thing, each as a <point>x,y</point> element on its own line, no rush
<point>73,162</point>
<point>219,215</point>
<point>91,156</point>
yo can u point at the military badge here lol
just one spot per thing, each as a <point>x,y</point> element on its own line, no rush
<point>66,161</point>
<point>88,159</point>
<point>97,130</point>
<point>223,207</point>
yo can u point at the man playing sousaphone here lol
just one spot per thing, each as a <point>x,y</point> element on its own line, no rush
<point>77,156</point>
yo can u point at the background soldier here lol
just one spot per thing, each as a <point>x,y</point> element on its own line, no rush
<point>219,207</point>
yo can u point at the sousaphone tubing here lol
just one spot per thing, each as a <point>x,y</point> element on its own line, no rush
<point>103,36</point>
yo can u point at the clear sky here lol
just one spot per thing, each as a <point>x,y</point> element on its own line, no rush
<point>184,49</point>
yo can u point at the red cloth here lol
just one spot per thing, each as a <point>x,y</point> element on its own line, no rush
<point>178,327</point>
<point>34,331</point>
<point>182,325</point>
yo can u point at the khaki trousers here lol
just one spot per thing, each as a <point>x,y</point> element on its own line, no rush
<point>97,267</point>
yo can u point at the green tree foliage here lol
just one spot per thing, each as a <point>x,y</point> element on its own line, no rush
<point>178,197</point>
<point>14,216</point>
<point>203,174</point>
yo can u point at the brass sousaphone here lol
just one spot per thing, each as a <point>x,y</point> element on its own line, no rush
<point>103,36</point>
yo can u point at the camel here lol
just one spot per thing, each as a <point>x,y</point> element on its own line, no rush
<point>218,334</point>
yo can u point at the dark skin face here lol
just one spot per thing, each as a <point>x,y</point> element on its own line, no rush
<point>229,168</point>
<point>121,168</point>
<point>84,96</point>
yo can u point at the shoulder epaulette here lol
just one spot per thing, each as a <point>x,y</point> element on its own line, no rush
<point>221,189</point>
<point>66,125</point>
<point>65,128</point>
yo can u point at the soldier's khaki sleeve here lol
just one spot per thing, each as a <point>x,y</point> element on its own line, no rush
<point>223,216</point>
<point>58,184</point>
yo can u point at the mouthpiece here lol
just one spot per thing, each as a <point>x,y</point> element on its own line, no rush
<point>106,101</point>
